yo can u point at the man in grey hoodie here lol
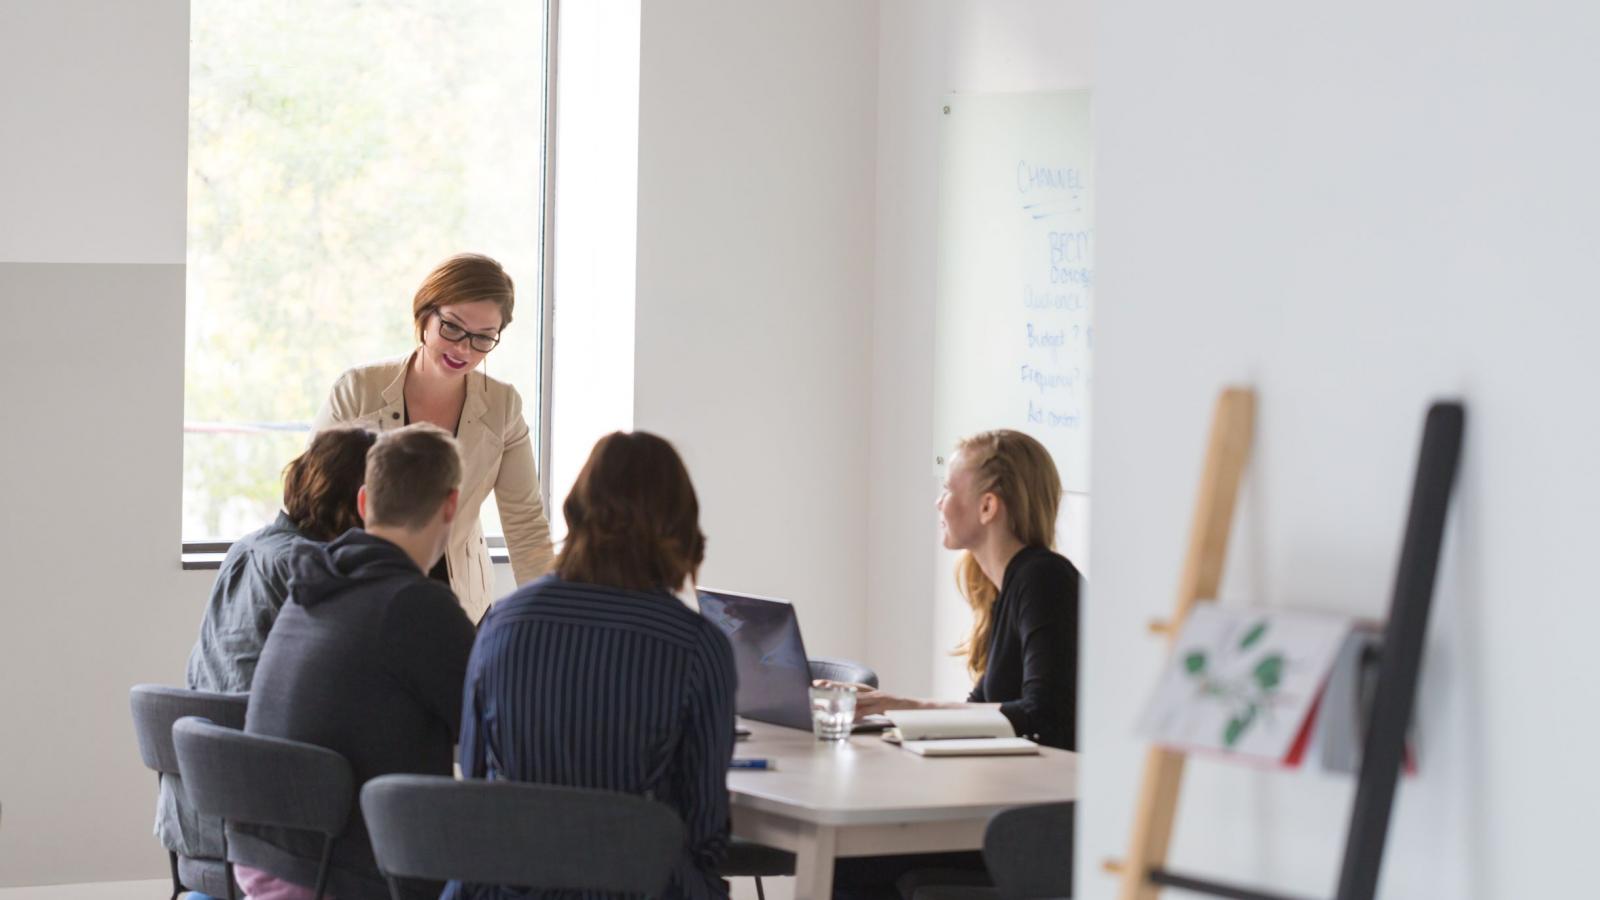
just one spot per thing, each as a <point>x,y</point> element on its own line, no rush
<point>367,658</point>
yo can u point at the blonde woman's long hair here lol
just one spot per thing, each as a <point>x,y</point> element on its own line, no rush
<point>1017,469</point>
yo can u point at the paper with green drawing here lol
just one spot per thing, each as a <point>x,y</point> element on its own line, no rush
<point>1243,681</point>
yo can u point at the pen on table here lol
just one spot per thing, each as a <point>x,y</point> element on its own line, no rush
<point>768,764</point>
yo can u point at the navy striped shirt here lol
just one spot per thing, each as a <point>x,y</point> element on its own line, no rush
<point>598,687</point>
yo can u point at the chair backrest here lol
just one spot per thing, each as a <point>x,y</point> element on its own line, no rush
<point>1028,851</point>
<point>156,707</point>
<point>262,780</point>
<point>512,833</point>
<point>835,669</point>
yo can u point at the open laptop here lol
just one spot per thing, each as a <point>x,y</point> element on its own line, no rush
<point>774,671</point>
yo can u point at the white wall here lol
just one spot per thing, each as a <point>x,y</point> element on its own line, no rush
<point>595,231</point>
<point>91,166</point>
<point>1357,208</point>
<point>95,115</point>
<point>756,162</point>
<point>926,51</point>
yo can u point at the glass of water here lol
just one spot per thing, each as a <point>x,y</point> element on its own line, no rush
<point>833,710</point>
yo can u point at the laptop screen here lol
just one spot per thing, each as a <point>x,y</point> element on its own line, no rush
<point>768,653</point>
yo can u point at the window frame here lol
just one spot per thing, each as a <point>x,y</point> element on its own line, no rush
<point>208,554</point>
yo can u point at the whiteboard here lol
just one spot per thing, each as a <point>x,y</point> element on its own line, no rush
<point>1014,332</point>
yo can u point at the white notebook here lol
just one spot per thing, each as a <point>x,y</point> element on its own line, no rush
<point>1011,746</point>
<point>944,724</point>
<point>956,732</point>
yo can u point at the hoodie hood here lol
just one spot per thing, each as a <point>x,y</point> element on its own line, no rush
<point>321,572</point>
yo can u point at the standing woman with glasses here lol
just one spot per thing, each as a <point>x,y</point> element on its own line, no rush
<point>460,310</point>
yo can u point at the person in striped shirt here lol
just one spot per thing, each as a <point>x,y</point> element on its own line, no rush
<point>598,676</point>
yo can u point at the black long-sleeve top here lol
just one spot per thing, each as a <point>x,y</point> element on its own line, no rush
<point>598,687</point>
<point>1033,650</point>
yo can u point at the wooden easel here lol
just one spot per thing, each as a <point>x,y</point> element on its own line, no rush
<point>1143,873</point>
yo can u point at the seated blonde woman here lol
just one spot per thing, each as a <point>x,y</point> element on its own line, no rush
<point>999,506</point>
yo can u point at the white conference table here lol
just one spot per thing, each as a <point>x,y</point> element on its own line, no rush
<point>866,797</point>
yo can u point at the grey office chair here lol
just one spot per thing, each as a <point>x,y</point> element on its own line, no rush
<point>259,780</point>
<point>155,707</point>
<point>536,836</point>
<point>1027,850</point>
<point>835,669</point>
<point>758,861</point>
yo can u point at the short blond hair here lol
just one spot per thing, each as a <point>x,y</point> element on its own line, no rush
<point>410,472</point>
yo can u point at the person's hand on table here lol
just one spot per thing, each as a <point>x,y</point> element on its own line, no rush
<point>870,701</point>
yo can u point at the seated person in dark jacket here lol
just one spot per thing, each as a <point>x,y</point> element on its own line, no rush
<point>319,504</point>
<point>367,658</point>
<point>597,676</point>
<point>1001,496</point>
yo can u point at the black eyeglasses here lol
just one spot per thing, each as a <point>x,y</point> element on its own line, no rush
<point>455,334</point>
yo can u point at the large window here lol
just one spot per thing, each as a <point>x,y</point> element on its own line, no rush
<point>338,149</point>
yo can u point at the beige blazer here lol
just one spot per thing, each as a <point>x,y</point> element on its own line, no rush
<point>496,455</point>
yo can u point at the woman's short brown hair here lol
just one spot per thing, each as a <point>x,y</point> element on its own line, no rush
<point>464,278</point>
<point>320,485</point>
<point>632,518</point>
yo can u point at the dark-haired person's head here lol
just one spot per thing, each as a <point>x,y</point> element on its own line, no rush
<point>320,485</point>
<point>632,517</point>
<point>413,484</point>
